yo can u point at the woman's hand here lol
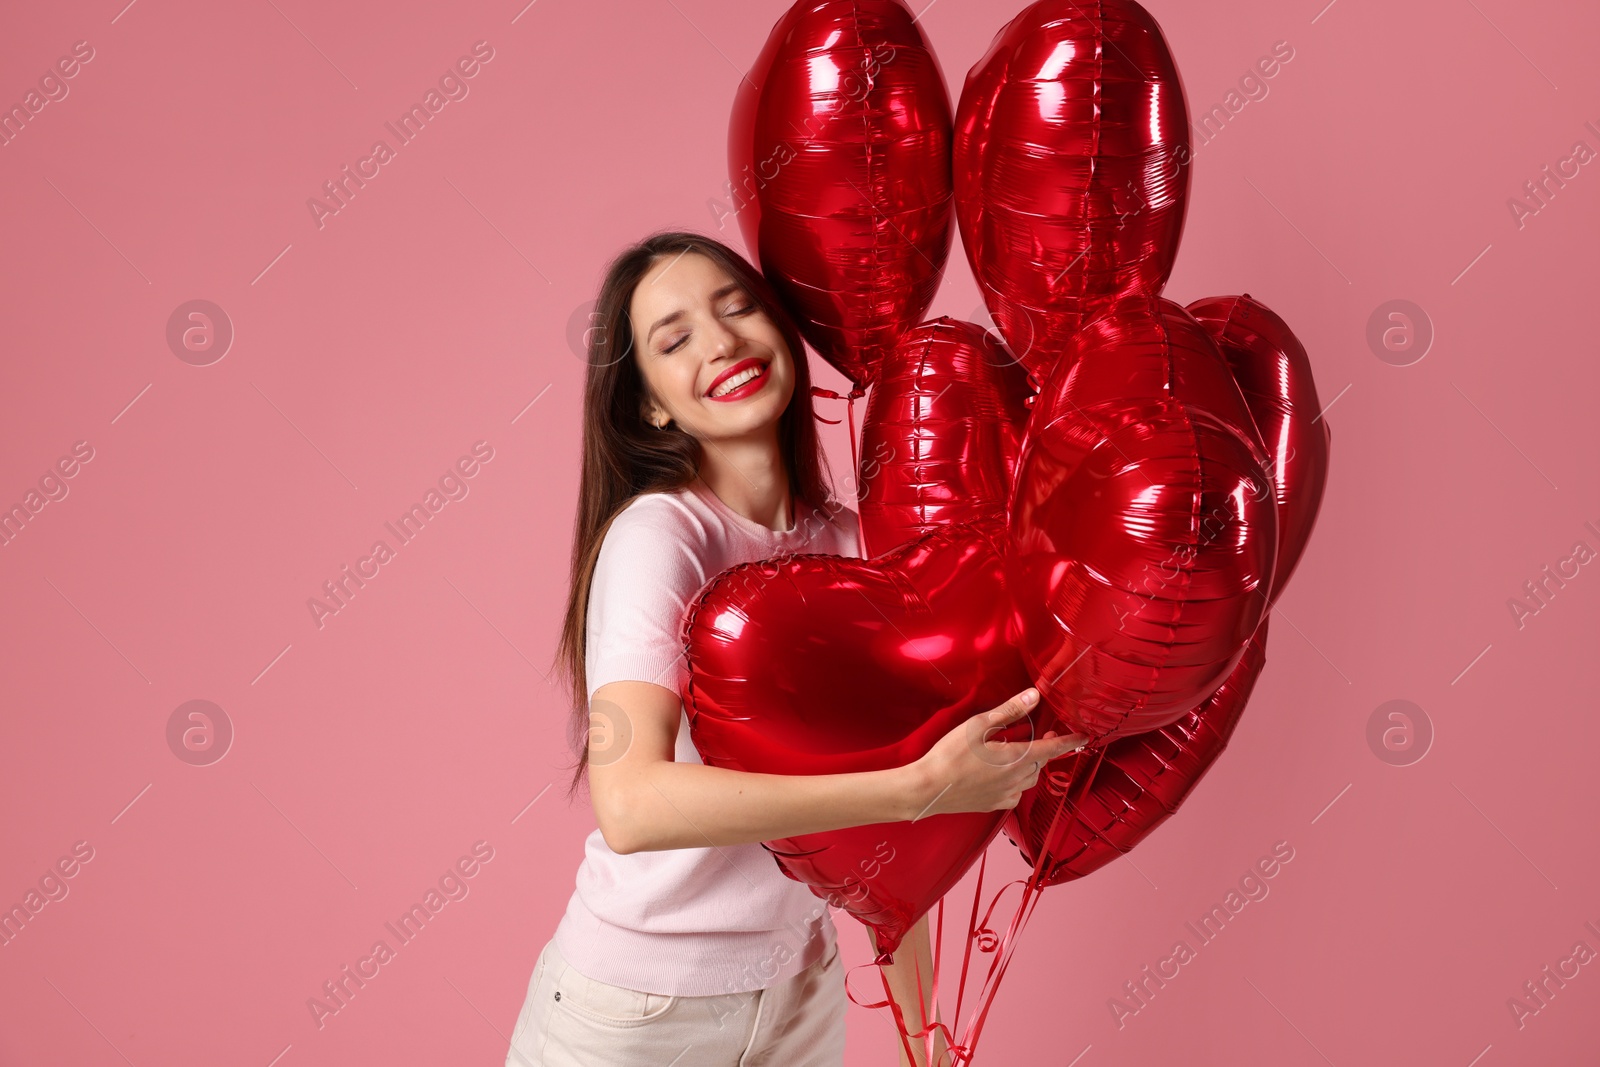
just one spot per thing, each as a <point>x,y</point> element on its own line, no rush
<point>967,771</point>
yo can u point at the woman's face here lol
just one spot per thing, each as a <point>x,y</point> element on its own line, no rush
<point>693,324</point>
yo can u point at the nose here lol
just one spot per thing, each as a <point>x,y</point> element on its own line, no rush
<point>724,339</point>
<point>725,344</point>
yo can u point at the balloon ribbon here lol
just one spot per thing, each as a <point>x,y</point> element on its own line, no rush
<point>1070,785</point>
<point>850,413</point>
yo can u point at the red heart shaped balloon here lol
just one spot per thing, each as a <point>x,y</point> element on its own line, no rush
<point>1070,166</point>
<point>1143,528</point>
<point>941,435</point>
<point>1274,374</point>
<point>1141,781</point>
<point>839,159</point>
<point>818,664</point>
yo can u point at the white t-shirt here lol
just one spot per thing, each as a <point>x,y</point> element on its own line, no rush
<point>689,921</point>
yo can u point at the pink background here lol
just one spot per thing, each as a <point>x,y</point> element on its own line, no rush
<point>435,311</point>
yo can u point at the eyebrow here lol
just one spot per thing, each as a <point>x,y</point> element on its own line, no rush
<point>676,315</point>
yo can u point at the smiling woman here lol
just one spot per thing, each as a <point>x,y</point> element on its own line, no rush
<point>683,940</point>
<point>744,365</point>
<point>694,459</point>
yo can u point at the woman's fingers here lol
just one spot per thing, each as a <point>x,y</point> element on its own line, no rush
<point>1016,707</point>
<point>1071,743</point>
<point>1043,749</point>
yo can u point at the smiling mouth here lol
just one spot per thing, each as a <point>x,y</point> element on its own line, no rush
<point>739,382</point>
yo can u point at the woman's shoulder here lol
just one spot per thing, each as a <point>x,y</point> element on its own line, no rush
<point>651,559</point>
<point>664,508</point>
<point>654,524</point>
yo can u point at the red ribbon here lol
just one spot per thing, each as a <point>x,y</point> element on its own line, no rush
<point>1070,786</point>
<point>850,413</point>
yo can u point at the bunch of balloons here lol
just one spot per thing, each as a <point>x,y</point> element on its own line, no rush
<point>1104,501</point>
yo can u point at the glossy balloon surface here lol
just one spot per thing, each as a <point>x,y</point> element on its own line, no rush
<point>1274,375</point>
<point>839,171</point>
<point>942,433</point>
<point>816,664</point>
<point>1071,169</point>
<point>1105,505</point>
<point>1141,781</point>
<point>1143,526</point>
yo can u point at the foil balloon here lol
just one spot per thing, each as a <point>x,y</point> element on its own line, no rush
<point>1070,169</point>
<point>941,435</point>
<point>1274,374</point>
<point>1142,780</point>
<point>839,160</point>
<point>1143,531</point>
<point>817,664</point>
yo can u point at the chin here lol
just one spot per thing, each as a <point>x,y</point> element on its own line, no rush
<point>752,422</point>
<point>753,418</point>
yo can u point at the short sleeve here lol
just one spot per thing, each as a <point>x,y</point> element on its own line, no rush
<point>644,577</point>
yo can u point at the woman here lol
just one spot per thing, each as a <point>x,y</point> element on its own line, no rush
<point>684,943</point>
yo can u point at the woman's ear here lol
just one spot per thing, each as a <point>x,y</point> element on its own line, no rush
<point>653,415</point>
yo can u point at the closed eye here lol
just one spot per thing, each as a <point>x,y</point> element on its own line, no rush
<point>741,311</point>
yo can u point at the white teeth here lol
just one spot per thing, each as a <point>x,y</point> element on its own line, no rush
<point>737,380</point>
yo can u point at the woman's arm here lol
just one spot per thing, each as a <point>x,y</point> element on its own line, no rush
<point>644,801</point>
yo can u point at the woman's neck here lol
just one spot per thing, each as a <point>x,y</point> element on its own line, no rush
<point>750,478</point>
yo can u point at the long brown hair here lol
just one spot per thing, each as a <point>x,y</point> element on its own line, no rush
<point>624,457</point>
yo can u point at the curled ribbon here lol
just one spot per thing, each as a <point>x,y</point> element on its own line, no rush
<point>850,413</point>
<point>1071,786</point>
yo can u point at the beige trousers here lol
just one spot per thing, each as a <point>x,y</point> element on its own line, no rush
<point>568,1020</point>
